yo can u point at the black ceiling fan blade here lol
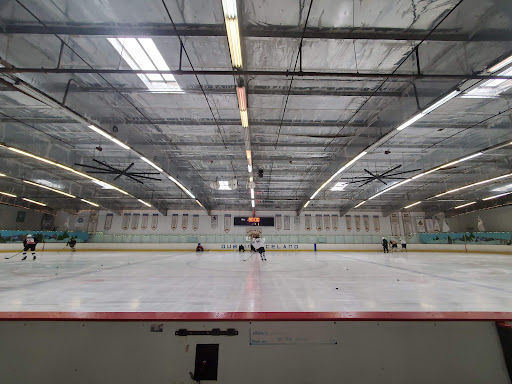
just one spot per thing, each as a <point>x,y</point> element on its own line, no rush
<point>133,178</point>
<point>106,165</point>
<point>127,168</point>
<point>404,172</point>
<point>148,178</point>
<point>144,173</point>
<point>390,170</point>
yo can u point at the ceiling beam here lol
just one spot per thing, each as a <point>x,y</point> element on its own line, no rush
<point>167,30</point>
<point>230,72</point>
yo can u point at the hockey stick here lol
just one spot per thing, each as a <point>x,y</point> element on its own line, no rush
<point>252,253</point>
<point>10,257</point>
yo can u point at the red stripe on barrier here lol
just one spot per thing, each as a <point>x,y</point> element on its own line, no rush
<point>256,316</point>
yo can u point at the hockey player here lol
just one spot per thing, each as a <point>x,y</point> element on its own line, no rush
<point>241,248</point>
<point>29,243</point>
<point>385,245</point>
<point>72,244</point>
<point>403,241</point>
<point>259,245</point>
<point>199,248</point>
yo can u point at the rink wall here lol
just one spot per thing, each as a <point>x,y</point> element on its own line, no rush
<point>215,247</point>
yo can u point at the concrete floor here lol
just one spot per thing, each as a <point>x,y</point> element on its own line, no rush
<point>287,282</point>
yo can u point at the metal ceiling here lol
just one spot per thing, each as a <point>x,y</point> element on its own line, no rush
<point>364,68</point>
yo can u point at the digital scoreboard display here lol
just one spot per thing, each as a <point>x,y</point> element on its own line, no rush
<point>255,221</point>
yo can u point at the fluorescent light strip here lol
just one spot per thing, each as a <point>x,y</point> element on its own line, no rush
<point>426,111</point>
<point>2,175</point>
<point>181,186</point>
<point>252,203</point>
<point>50,189</point>
<point>465,205</point>
<point>413,204</point>
<point>143,202</point>
<point>152,164</point>
<point>426,173</point>
<point>248,154</point>
<point>63,167</point>
<point>474,184</point>
<point>500,65</point>
<point>337,173</point>
<point>244,118</point>
<point>198,202</point>
<point>229,7</point>
<point>496,196</point>
<point>35,202</point>
<point>252,193</point>
<point>7,194</point>
<point>105,134</point>
<point>249,167</point>
<point>390,188</point>
<point>461,160</point>
<point>361,203</point>
<point>90,202</point>
<point>242,101</point>
<point>305,205</point>
<point>234,41</point>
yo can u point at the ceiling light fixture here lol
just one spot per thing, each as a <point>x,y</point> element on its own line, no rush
<point>105,134</point>
<point>90,202</point>
<point>340,186</point>
<point>252,203</point>
<point>496,196</point>
<point>500,65</point>
<point>305,205</point>
<point>426,111</point>
<point>244,118</point>
<point>35,202</point>
<point>338,172</point>
<point>242,100</point>
<point>152,164</point>
<point>248,154</point>
<point>198,202</point>
<point>465,205</point>
<point>182,187</point>
<point>474,184</point>
<point>50,189</point>
<point>461,160</point>
<point>231,19</point>
<point>143,202</point>
<point>2,175</point>
<point>61,166</point>
<point>390,188</point>
<point>412,205</point>
<point>224,185</point>
<point>249,167</point>
<point>7,194</point>
<point>361,203</point>
<point>252,193</point>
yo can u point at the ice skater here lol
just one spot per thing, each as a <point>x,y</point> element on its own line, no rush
<point>259,245</point>
<point>394,246</point>
<point>71,243</point>
<point>199,248</point>
<point>241,248</point>
<point>403,241</point>
<point>385,245</point>
<point>29,243</point>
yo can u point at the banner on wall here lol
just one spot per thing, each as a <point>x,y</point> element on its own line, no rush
<point>126,221</point>
<point>214,221</point>
<point>195,222</point>
<point>93,221</point>
<point>144,223</point>
<point>307,222</point>
<point>437,226</point>
<point>286,225</point>
<point>277,222</point>
<point>47,221</point>
<point>108,221</point>
<point>357,220</point>
<point>184,221</point>
<point>327,222</point>
<point>80,222</point>
<point>135,221</point>
<point>366,221</point>
<point>376,223</point>
<point>395,224</point>
<point>174,221</point>
<point>296,222</point>
<point>20,216</point>
<point>406,220</point>
<point>154,221</point>
<point>348,221</point>
<point>227,223</point>
<point>335,222</point>
<point>420,224</point>
<point>318,221</point>
<point>429,224</point>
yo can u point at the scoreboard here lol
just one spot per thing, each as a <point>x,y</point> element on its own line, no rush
<point>255,221</point>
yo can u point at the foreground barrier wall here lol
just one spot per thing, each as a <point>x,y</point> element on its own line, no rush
<point>250,348</point>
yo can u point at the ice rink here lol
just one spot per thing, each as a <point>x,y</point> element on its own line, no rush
<point>287,282</point>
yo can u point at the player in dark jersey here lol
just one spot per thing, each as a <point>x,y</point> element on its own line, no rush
<point>71,243</point>
<point>29,243</point>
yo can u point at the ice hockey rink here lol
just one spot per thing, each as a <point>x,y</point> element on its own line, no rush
<point>341,281</point>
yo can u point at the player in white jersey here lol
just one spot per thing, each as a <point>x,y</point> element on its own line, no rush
<point>29,243</point>
<point>259,245</point>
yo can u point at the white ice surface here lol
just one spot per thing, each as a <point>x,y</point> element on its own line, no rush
<point>288,282</point>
